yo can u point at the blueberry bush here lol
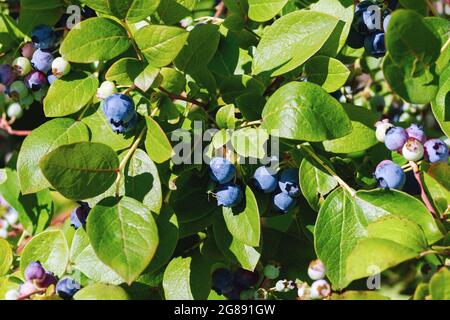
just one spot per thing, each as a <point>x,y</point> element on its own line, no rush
<point>236,149</point>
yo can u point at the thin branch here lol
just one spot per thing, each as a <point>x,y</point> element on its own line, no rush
<point>5,125</point>
<point>423,194</point>
<point>432,8</point>
<point>133,42</point>
<point>220,9</point>
<point>182,97</point>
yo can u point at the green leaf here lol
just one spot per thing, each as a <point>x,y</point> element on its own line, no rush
<point>417,5</point>
<point>95,39</point>
<point>69,94</point>
<point>131,234</point>
<point>315,183</point>
<point>101,291</point>
<point>440,285</point>
<point>83,257</point>
<point>262,10</point>
<point>160,44</point>
<point>362,136</point>
<point>411,44</point>
<point>304,111</point>
<point>50,248</point>
<point>81,170</point>
<point>379,225</point>
<point>441,173</point>
<point>233,249</point>
<point>441,27</point>
<point>131,10</point>
<point>187,278</point>
<point>225,117</point>
<point>329,73</point>
<point>292,40</point>
<point>359,295</point>
<point>173,80</point>
<point>124,71</point>
<point>249,142</point>
<point>146,78</point>
<point>6,257</point>
<point>243,223</point>
<point>439,194</point>
<point>440,104</point>
<point>156,143</point>
<point>199,49</point>
<point>33,13</point>
<point>173,11</point>
<point>41,141</point>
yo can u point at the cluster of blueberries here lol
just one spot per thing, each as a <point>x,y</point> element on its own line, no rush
<point>366,31</point>
<point>27,78</point>
<point>8,218</point>
<point>413,145</point>
<point>237,285</point>
<point>38,280</point>
<point>267,180</point>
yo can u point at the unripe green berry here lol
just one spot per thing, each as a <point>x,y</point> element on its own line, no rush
<point>18,90</point>
<point>107,88</point>
<point>27,101</point>
<point>22,66</point>
<point>60,67</point>
<point>39,95</point>
<point>247,294</point>
<point>14,111</point>
<point>271,272</point>
<point>261,294</point>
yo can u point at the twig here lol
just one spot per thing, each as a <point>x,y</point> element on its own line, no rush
<point>273,86</point>
<point>220,9</point>
<point>446,45</point>
<point>182,98</point>
<point>249,124</point>
<point>423,194</point>
<point>432,8</point>
<point>5,125</point>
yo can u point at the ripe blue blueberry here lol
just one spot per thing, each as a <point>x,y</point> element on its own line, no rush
<point>416,132</point>
<point>228,195</point>
<point>35,80</point>
<point>436,151</point>
<point>88,12</point>
<point>283,202</point>
<point>42,60</point>
<point>51,77</point>
<point>221,170</point>
<point>289,182</point>
<point>79,215</point>
<point>363,21</point>
<point>222,280</point>
<point>265,179</point>
<point>245,279</point>
<point>7,75</point>
<point>67,287</point>
<point>43,37</point>
<point>390,175</point>
<point>120,112</point>
<point>375,45</point>
<point>48,280</point>
<point>34,271</point>
<point>355,40</point>
<point>395,138</point>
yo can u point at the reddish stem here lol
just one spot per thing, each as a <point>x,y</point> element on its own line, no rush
<point>423,194</point>
<point>7,127</point>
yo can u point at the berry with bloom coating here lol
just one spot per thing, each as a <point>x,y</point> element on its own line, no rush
<point>22,66</point>
<point>271,272</point>
<point>416,132</point>
<point>27,289</point>
<point>265,179</point>
<point>288,182</point>
<point>436,151</point>
<point>390,175</point>
<point>18,90</point>
<point>284,286</point>
<point>363,19</point>
<point>375,44</point>
<point>382,127</point>
<point>120,112</point>
<point>42,60</point>
<point>60,67</point>
<point>386,21</point>
<point>395,138</point>
<point>221,170</point>
<point>7,75</point>
<point>79,215</point>
<point>320,289</point>
<point>303,291</point>
<point>34,271</point>
<point>316,270</point>
<point>228,195</point>
<point>28,50</point>
<point>48,281</point>
<point>283,202</point>
<point>413,150</point>
<point>107,88</point>
<point>35,80</point>
<point>14,111</point>
<point>51,78</point>
<point>67,287</point>
<point>222,280</point>
<point>12,295</point>
<point>43,37</point>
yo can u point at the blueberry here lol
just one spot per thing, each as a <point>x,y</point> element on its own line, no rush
<point>375,45</point>
<point>7,75</point>
<point>382,127</point>
<point>107,88</point>
<point>51,78</point>
<point>271,272</point>
<point>14,111</point>
<point>363,19</point>
<point>289,182</point>
<point>60,67</point>
<point>413,150</point>
<point>316,270</point>
<point>221,170</point>
<point>390,175</point>
<point>43,37</point>
<point>35,80</point>
<point>355,40</point>
<point>34,271</point>
<point>79,215</point>
<point>395,138</point>
<point>88,12</point>
<point>416,132</point>
<point>27,288</point>
<point>265,179</point>
<point>245,279</point>
<point>283,202</point>
<point>28,50</point>
<point>120,112</point>
<point>48,280</point>
<point>67,287</point>
<point>386,21</point>
<point>228,195</point>
<point>436,151</point>
<point>22,66</point>
<point>42,60</point>
<point>320,289</point>
<point>18,90</point>
<point>222,280</point>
